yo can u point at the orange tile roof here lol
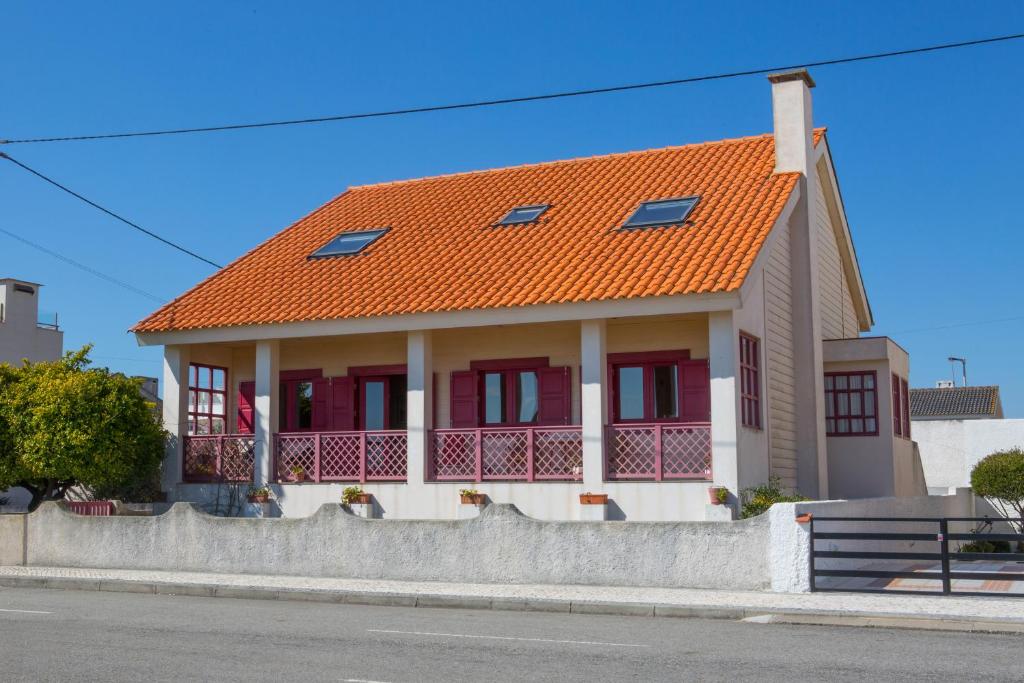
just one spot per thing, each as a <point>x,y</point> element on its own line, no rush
<point>442,253</point>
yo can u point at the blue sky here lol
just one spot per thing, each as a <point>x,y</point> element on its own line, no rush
<point>928,148</point>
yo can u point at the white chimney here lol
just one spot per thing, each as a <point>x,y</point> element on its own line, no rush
<point>794,123</point>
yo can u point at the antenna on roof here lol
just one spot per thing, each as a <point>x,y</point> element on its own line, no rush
<point>953,360</point>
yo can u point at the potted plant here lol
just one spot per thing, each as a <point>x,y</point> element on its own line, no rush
<point>472,497</point>
<point>718,495</point>
<point>259,494</point>
<point>593,498</point>
<point>354,495</point>
<point>298,473</point>
<point>205,469</point>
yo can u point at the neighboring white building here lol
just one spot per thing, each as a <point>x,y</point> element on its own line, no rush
<point>22,334</point>
<point>955,427</point>
<point>642,325</point>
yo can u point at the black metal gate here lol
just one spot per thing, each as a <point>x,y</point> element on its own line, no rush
<point>895,539</point>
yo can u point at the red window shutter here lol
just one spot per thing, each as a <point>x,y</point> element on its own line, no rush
<point>553,396</point>
<point>246,407</point>
<point>695,391</point>
<point>897,424</point>
<point>322,419</point>
<point>905,399</point>
<point>343,398</point>
<point>464,402</point>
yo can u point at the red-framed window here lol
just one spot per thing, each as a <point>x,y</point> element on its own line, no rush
<point>207,399</point>
<point>851,403</point>
<point>659,386</point>
<point>750,380</point>
<point>509,393</point>
<point>900,407</point>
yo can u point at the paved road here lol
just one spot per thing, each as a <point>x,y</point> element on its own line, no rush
<point>72,636</point>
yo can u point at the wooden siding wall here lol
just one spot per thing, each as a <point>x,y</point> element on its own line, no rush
<point>780,384</point>
<point>838,316</point>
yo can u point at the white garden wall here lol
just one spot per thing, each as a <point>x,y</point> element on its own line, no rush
<point>951,448</point>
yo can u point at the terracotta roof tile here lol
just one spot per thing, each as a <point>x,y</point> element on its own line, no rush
<point>442,253</point>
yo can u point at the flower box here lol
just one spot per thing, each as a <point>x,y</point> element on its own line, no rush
<point>259,498</point>
<point>718,495</point>
<point>473,498</point>
<point>593,499</point>
<point>362,499</point>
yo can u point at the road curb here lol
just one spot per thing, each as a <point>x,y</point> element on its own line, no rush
<point>754,615</point>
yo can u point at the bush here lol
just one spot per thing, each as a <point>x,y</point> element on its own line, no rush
<point>1000,478</point>
<point>985,547</point>
<point>757,499</point>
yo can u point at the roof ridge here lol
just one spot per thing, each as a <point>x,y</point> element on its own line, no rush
<point>573,160</point>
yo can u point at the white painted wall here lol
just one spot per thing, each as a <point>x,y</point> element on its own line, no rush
<point>20,335</point>
<point>951,448</point>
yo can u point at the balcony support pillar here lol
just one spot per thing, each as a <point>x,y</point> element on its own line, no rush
<point>593,401</point>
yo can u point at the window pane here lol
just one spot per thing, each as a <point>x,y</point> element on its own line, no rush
<point>218,404</point>
<point>204,378</point>
<point>664,212</point>
<point>870,425</point>
<point>830,426</point>
<point>844,404</point>
<point>397,386</point>
<point>192,401</point>
<point>869,403</point>
<point>855,404</point>
<point>844,426</point>
<point>840,381</point>
<point>494,398</point>
<point>526,397</point>
<point>631,393</point>
<point>204,401</point>
<point>192,426</point>
<point>282,413</point>
<point>304,405</point>
<point>830,409</point>
<point>857,425</point>
<point>218,379</point>
<point>218,425</point>
<point>869,381</point>
<point>203,425</point>
<point>348,243</point>
<point>666,392</point>
<point>374,394</point>
<point>522,214</point>
<point>191,375</point>
<point>829,382</point>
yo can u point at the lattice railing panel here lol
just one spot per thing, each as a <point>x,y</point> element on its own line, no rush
<point>659,451</point>
<point>386,458</point>
<point>558,454</point>
<point>295,450</point>
<point>218,457</point>
<point>630,453</point>
<point>453,455</point>
<point>686,452</point>
<point>339,457</point>
<point>504,454</point>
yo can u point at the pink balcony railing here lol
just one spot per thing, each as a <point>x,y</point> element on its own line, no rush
<point>218,457</point>
<point>341,456</point>
<point>658,451</point>
<point>506,454</point>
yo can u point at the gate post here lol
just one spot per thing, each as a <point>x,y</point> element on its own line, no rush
<point>947,584</point>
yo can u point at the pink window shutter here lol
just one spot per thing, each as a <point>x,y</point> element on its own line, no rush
<point>464,400</point>
<point>246,410</point>
<point>322,395</point>
<point>553,390</point>
<point>343,396</point>
<point>695,391</point>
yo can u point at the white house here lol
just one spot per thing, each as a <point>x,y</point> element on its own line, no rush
<point>642,325</point>
<point>22,333</point>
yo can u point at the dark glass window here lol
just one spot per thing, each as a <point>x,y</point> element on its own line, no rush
<point>348,243</point>
<point>661,212</point>
<point>374,399</point>
<point>666,392</point>
<point>523,214</point>
<point>397,402</point>
<point>526,396</point>
<point>304,404</point>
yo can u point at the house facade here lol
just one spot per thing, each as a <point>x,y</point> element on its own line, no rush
<point>23,334</point>
<point>641,325</point>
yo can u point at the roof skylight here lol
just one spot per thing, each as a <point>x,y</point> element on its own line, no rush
<point>348,243</point>
<point>661,212</point>
<point>523,214</point>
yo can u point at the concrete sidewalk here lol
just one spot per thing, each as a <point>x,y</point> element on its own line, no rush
<point>989,614</point>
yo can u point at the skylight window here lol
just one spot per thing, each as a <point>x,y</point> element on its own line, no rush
<point>661,212</point>
<point>523,214</point>
<point>348,243</point>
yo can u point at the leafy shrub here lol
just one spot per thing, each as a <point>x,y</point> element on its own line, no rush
<point>1000,478</point>
<point>757,499</point>
<point>350,493</point>
<point>986,547</point>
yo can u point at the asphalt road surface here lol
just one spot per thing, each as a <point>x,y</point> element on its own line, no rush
<point>76,636</point>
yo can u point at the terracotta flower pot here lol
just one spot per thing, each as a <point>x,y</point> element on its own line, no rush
<point>713,495</point>
<point>593,499</point>
<point>473,498</point>
<point>298,476</point>
<point>363,499</point>
<point>261,498</point>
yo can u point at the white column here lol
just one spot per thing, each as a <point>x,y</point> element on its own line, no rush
<point>593,401</point>
<point>723,348</point>
<point>176,360</point>
<point>419,403</point>
<point>266,408</point>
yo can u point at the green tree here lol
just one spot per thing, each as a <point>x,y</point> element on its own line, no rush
<point>63,424</point>
<point>999,478</point>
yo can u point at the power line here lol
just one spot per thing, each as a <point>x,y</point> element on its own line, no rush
<point>109,212</point>
<point>527,98</point>
<point>81,266</point>
<point>950,326</point>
